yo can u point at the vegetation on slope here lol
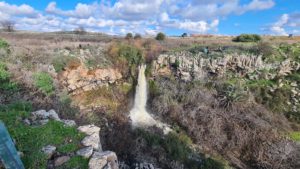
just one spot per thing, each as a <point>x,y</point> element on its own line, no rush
<point>247,38</point>
<point>30,139</point>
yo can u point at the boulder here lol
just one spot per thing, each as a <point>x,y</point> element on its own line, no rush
<point>92,140</point>
<point>49,150</point>
<point>106,159</point>
<point>27,122</point>
<point>53,115</point>
<point>42,122</point>
<point>40,114</point>
<point>85,152</point>
<point>61,160</point>
<point>89,129</point>
<point>69,123</point>
<point>97,163</point>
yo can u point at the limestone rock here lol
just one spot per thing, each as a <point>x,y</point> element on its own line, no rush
<point>85,152</point>
<point>40,114</point>
<point>61,160</point>
<point>92,140</point>
<point>27,122</point>
<point>69,123</point>
<point>107,159</point>
<point>42,122</point>
<point>89,129</point>
<point>84,79</point>
<point>53,115</point>
<point>97,163</point>
<point>49,150</point>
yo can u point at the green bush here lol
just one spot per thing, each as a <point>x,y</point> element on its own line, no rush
<point>60,62</point>
<point>44,82</point>
<point>295,136</point>
<point>3,44</point>
<point>229,94</point>
<point>5,83</point>
<point>133,55</point>
<point>247,38</point>
<point>129,36</point>
<point>160,36</point>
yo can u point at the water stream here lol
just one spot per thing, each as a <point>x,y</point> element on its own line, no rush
<point>138,114</point>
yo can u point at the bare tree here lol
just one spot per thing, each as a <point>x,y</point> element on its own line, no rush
<point>8,25</point>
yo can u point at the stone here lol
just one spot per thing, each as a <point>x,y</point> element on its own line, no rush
<point>43,122</point>
<point>20,153</point>
<point>89,129</point>
<point>92,140</point>
<point>85,152</point>
<point>97,163</point>
<point>53,115</point>
<point>106,159</point>
<point>27,122</point>
<point>69,123</point>
<point>40,114</point>
<point>49,150</point>
<point>61,160</point>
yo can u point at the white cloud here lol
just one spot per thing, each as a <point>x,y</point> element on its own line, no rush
<point>258,5</point>
<point>285,23</point>
<point>164,17</point>
<point>22,10</point>
<point>141,16</point>
<point>80,11</point>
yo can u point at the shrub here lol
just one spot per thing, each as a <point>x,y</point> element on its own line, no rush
<point>228,94</point>
<point>137,36</point>
<point>3,44</point>
<point>61,62</point>
<point>184,35</point>
<point>44,82</point>
<point>5,83</point>
<point>295,136</point>
<point>133,55</point>
<point>128,36</point>
<point>160,36</point>
<point>247,38</point>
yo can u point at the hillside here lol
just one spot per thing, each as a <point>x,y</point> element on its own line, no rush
<point>228,104</point>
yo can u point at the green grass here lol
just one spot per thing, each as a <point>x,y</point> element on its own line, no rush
<point>30,140</point>
<point>75,162</point>
<point>44,82</point>
<point>295,136</point>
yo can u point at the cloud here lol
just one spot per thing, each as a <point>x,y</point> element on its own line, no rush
<point>80,11</point>
<point>256,5</point>
<point>141,16</point>
<point>286,23</point>
<point>23,10</point>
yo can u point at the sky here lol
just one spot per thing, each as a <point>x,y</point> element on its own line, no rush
<point>148,17</point>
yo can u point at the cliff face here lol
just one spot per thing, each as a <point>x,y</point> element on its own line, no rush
<point>82,79</point>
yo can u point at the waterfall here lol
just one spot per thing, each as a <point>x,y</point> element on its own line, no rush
<point>139,115</point>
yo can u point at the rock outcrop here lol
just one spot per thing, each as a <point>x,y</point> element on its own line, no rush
<point>190,66</point>
<point>83,79</point>
<point>106,159</point>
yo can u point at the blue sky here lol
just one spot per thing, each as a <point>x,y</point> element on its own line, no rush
<point>226,17</point>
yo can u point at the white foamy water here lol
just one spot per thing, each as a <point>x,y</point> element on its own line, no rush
<point>139,115</point>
